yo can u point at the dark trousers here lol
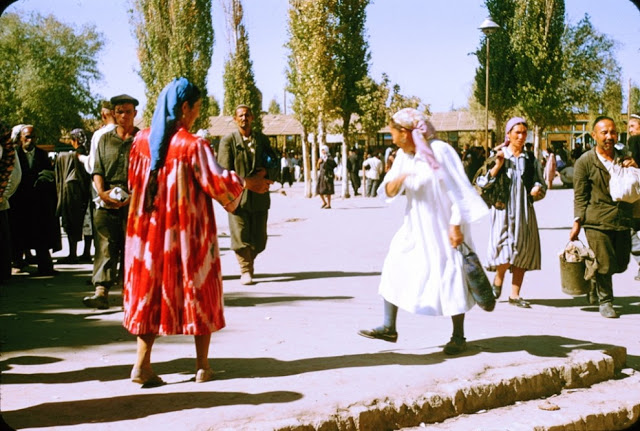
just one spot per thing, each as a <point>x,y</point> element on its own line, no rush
<point>5,246</point>
<point>612,249</point>
<point>372,187</point>
<point>110,227</point>
<point>355,181</point>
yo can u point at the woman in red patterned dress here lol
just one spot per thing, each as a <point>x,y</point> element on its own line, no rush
<point>173,281</point>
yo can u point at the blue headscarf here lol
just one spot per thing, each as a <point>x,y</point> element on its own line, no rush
<point>168,112</point>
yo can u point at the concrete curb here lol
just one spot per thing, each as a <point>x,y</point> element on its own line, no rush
<point>498,388</point>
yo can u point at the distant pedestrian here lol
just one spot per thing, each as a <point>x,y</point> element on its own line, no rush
<point>173,279</point>
<point>373,171</point>
<point>74,192</point>
<point>606,222</point>
<point>550,167</point>
<point>514,240</point>
<point>422,272</point>
<point>353,170</point>
<point>325,187</point>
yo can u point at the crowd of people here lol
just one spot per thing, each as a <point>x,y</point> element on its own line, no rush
<point>145,198</point>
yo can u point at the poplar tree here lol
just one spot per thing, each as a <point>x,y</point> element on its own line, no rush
<point>372,99</point>
<point>238,79</point>
<point>311,71</point>
<point>175,38</point>
<point>352,56</point>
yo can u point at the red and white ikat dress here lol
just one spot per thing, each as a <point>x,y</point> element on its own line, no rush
<point>173,281</point>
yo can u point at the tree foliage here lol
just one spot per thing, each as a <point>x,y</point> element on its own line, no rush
<point>537,45</point>
<point>503,81</point>
<point>274,107</point>
<point>47,72</point>
<point>590,71</point>
<point>214,106</point>
<point>372,100</point>
<point>238,79</point>
<point>634,100</point>
<point>175,38</point>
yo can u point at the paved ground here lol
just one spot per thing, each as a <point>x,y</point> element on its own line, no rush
<point>290,355</point>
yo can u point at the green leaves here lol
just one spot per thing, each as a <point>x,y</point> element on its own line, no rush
<point>48,68</point>
<point>175,38</point>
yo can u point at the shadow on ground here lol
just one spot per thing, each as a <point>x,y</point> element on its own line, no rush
<point>129,407</point>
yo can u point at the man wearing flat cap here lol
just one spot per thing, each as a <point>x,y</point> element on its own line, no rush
<point>111,165</point>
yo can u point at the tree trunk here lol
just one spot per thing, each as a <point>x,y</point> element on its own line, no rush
<point>345,143</point>
<point>305,164</point>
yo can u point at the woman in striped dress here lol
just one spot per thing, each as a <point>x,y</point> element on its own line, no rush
<point>514,241</point>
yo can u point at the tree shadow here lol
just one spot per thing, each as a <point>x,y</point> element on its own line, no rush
<point>297,276</point>
<point>622,304</point>
<point>131,407</point>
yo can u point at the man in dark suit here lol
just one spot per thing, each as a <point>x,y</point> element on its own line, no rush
<point>249,154</point>
<point>353,168</point>
<point>606,222</point>
<point>32,212</point>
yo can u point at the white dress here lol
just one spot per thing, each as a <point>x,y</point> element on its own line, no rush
<point>422,273</point>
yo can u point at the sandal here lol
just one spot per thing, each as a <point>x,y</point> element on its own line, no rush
<point>146,378</point>
<point>204,375</point>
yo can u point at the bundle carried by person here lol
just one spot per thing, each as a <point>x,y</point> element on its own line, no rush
<point>624,184</point>
<point>476,279</point>
<point>497,194</point>
<point>578,265</point>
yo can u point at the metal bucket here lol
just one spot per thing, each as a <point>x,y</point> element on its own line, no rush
<point>572,277</point>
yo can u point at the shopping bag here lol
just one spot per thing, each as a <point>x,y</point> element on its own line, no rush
<point>624,184</point>
<point>476,279</point>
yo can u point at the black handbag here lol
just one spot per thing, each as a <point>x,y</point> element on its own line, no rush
<point>476,279</point>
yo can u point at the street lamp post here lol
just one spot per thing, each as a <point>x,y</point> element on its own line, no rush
<point>487,27</point>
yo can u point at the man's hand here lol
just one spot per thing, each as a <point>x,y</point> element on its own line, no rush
<point>257,182</point>
<point>455,235</point>
<point>629,163</point>
<point>110,202</point>
<point>575,231</point>
<point>537,193</point>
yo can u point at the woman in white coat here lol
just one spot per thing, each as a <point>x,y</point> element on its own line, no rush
<point>422,272</point>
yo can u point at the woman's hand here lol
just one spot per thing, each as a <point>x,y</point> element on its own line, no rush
<point>499,162</point>
<point>455,235</point>
<point>393,187</point>
<point>536,193</point>
<point>629,163</point>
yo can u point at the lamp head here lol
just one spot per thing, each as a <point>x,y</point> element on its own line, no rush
<point>488,26</point>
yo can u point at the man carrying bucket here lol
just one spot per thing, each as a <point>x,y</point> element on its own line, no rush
<point>606,222</point>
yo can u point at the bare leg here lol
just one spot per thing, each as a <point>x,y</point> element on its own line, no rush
<point>202,351</point>
<point>324,201</point>
<point>516,281</point>
<point>500,271</point>
<point>145,344</point>
<point>329,201</point>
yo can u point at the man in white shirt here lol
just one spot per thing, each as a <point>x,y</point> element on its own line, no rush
<point>373,174</point>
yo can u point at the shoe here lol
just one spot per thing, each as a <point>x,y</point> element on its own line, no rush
<point>497,290</point>
<point>246,279</point>
<point>101,302</point>
<point>637,277</point>
<point>146,378</point>
<point>381,333</point>
<point>204,375</point>
<point>323,206</point>
<point>327,207</point>
<point>519,302</point>
<point>606,310</point>
<point>455,346</point>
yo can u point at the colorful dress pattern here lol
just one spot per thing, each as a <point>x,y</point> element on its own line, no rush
<point>173,280</point>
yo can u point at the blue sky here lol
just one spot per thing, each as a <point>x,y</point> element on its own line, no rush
<point>423,45</point>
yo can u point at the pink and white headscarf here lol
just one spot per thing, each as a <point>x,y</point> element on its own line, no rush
<point>422,132</point>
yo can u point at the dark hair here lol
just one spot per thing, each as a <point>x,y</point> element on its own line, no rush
<point>191,97</point>
<point>599,119</point>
